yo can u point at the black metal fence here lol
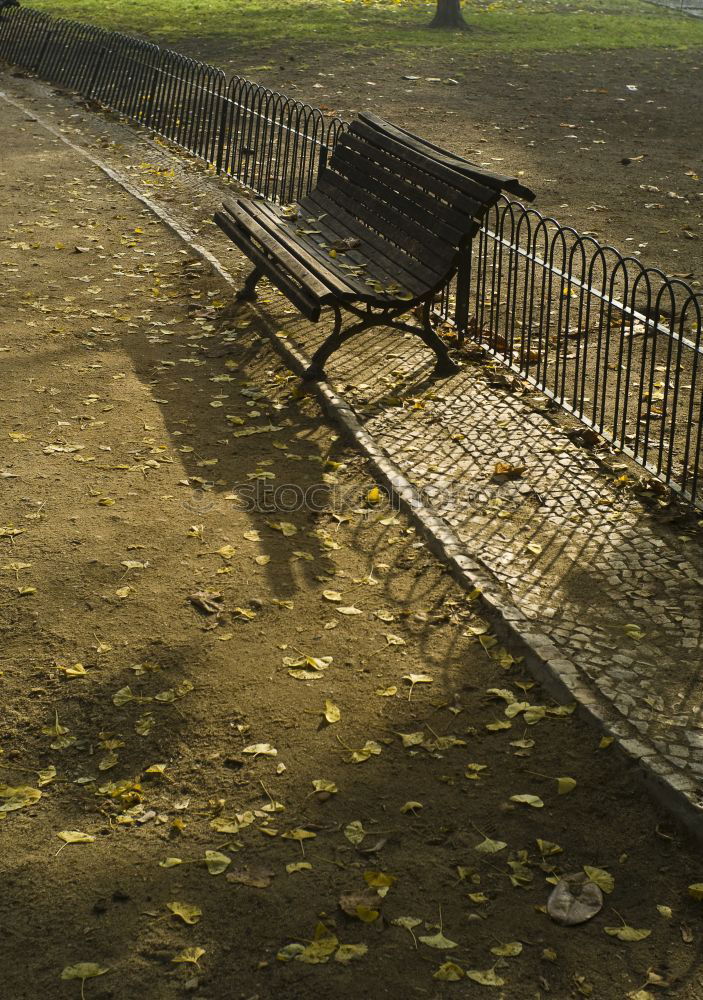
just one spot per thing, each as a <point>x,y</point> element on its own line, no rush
<point>617,344</point>
<point>267,141</point>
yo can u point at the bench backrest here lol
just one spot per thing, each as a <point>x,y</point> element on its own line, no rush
<point>424,199</point>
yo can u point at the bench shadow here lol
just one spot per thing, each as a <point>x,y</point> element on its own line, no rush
<point>575,549</point>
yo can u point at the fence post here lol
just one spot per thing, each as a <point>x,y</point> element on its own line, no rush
<point>221,135</point>
<point>322,159</point>
<point>94,74</point>
<point>463,288</point>
<point>145,120</point>
<point>47,38</point>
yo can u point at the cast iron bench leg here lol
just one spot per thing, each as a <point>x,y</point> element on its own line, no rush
<point>247,293</point>
<point>443,367</point>
<point>315,371</point>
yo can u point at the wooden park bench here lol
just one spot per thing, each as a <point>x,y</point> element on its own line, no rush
<point>381,234</point>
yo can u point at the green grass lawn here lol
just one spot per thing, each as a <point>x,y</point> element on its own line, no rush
<point>499,26</point>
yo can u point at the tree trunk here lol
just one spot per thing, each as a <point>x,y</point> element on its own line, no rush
<point>448,15</point>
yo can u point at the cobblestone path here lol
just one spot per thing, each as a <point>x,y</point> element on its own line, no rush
<point>587,563</point>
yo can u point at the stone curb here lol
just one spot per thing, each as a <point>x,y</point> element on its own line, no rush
<point>559,675</point>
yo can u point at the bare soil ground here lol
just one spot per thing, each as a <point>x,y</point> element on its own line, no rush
<point>150,611</point>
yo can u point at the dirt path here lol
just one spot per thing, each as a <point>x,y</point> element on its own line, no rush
<point>138,422</point>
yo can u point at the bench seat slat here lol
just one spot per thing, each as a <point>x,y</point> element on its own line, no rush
<point>483,193</point>
<point>262,218</point>
<point>463,202</point>
<point>441,216</point>
<point>311,245</point>
<point>303,297</point>
<point>387,221</point>
<point>341,209</point>
<point>371,257</point>
<point>251,213</point>
<point>409,203</point>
